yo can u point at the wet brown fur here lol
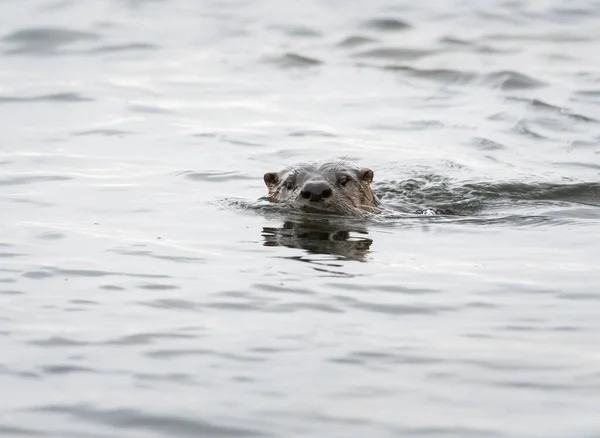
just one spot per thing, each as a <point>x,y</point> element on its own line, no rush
<point>355,198</point>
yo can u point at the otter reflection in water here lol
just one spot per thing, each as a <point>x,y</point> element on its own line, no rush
<point>328,188</point>
<point>320,236</point>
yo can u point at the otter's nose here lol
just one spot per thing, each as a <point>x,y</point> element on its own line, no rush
<point>316,190</point>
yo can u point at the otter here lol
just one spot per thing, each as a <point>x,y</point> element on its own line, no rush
<point>336,187</point>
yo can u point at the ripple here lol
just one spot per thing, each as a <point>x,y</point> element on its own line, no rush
<point>386,358</point>
<point>65,369</point>
<point>23,180</point>
<point>96,273</point>
<point>386,24</point>
<point>216,176</point>
<point>67,97</point>
<point>173,352</point>
<point>136,420</point>
<point>50,235</point>
<point>9,431</point>
<point>148,338</point>
<point>510,80</point>
<point>45,40</point>
<point>393,308</point>
<point>58,341</point>
<point>292,60</point>
<point>37,275</point>
<point>111,287</point>
<point>130,47</point>
<point>11,292</point>
<point>395,54</point>
<point>158,286</point>
<point>440,75</point>
<point>104,133</point>
<point>141,253</point>
<point>298,31</point>
<point>7,255</point>
<point>355,41</point>
<point>171,303</point>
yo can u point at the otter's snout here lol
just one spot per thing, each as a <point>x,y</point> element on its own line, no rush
<point>316,191</point>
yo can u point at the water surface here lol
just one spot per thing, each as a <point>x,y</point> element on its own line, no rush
<point>146,291</point>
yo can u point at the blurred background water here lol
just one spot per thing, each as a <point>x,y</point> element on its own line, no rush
<point>144,292</point>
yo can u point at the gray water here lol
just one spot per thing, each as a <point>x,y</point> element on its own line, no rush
<point>146,291</point>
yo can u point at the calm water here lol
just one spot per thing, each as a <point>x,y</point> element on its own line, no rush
<point>146,292</point>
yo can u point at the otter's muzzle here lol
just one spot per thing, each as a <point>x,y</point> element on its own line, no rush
<point>316,191</point>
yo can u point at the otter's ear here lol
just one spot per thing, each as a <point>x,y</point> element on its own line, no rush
<point>271,179</point>
<point>365,175</point>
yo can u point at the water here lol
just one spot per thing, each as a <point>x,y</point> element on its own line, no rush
<point>146,291</point>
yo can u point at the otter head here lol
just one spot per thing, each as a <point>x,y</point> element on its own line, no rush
<point>330,188</point>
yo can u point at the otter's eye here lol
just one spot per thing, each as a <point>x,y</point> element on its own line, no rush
<point>343,180</point>
<point>289,185</point>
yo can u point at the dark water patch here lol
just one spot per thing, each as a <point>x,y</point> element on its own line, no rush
<point>65,369</point>
<point>298,31</point>
<point>148,338</point>
<point>394,54</point>
<point>130,47</point>
<point>438,75</point>
<point>355,41</point>
<point>45,40</point>
<point>283,289</point>
<point>96,273</point>
<point>7,280</point>
<point>487,145</point>
<point>172,303</point>
<point>595,166</point>
<point>393,308</point>
<point>178,259</point>
<point>11,292</point>
<point>58,341</point>
<point>448,431</point>
<point>386,24</point>
<point>293,60</point>
<point>216,176</point>
<point>544,107</point>
<point>21,374</point>
<point>523,127</point>
<point>50,235</point>
<point>10,431</point>
<point>171,353</point>
<point>149,109</point>
<point>31,202</point>
<point>131,419</point>
<point>104,133</point>
<point>297,307</point>
<point>545,37</point>
<point>312,133</point>
<point>168,377</point>
<point>243,307</point>
<point>111,287</point>
<point>6,255</point>
<point>23,180</point>
<point>66,97</point>
<point>511,80</point>
<point>37,275</point>
<point>386,358</point>
<point>157,286</point>
<point>86,302</point>
<point>577,296</point>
